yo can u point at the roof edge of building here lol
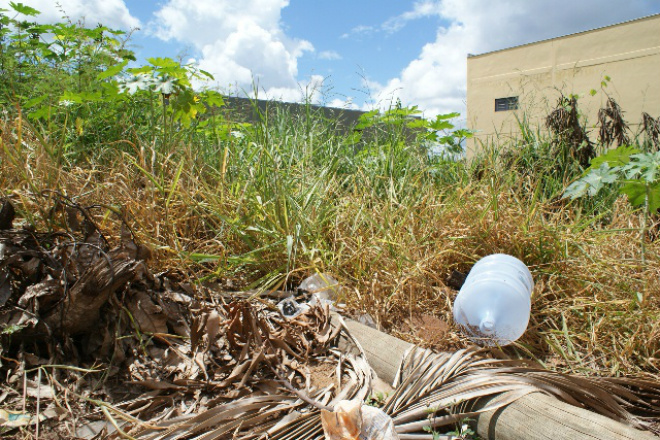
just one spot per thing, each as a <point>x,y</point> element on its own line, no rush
<point>646,17</point>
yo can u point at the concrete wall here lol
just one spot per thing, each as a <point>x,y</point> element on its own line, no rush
<point>339,121</point>
<point>629,53</point>
<point>253,110</point>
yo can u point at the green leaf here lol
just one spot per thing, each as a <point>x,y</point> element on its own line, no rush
<point>417,123</point>
<point>643,166</point>
<point>24,9</point>
<point>163,62</point>
<point>35,101</point>
<point>40,113</point>
<point>206,74</point>
<point>599,177</point>
<point>592,182</point>
<point>463,133</point>
<point>636,192</point>
<point>617,157</point>
<point>441,122</point>
<point>127,55</point>
<point>111,92</point>
<point>112,71</point>
<point>40,29</point>
<point>367,119</point>
<point>576,189</point>
<point>213,98</point>
<point>654,198</point>
<point>82,97</point>
<point>141,69</point>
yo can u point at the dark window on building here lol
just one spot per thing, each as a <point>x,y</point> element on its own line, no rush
<point>504,104</point>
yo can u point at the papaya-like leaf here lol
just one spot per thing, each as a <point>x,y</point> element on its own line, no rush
<point>40,113</point>
<point>617,157</point>
<point>112,71</point>
<point>162,62</point>
<point>592,182</point>
<point>35,101</point>
<point>213,98</point>
<point>24,9</point>
<point>638,192</point>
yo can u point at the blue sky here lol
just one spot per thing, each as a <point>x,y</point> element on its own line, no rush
<point>359,53</point>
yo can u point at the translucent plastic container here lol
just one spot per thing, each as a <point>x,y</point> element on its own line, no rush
<point>321,285</point>
<point>494,303</point>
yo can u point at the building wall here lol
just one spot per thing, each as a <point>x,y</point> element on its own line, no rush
<point>628,53</point>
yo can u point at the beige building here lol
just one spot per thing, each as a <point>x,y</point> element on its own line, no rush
<point>504,85</point>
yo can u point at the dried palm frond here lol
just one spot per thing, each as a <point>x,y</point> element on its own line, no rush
<point>432,391</point>
<point>612,125</point>
<point>442,389</point>
<point>570,138</point>
<point>651,127</point>
<point>258,339</point>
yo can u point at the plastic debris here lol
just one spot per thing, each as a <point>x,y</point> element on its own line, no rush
<point>14,419</point>
<point>290,308</point>
<point>321,285</point>
<point>353,420</point>
<point>10,420</point>
<point>368,320</point>
<point>493,305</point>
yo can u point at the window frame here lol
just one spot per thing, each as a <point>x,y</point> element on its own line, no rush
<point>506,104</point>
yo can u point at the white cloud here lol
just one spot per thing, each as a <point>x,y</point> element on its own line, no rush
<point>360,30</point>
<point>308,91</point>
<point>436,79</point>
<point>347,103</point>
<point>238,42</point>
<point>329,55</point>
<point>111,13</point>
<point>420,9</point>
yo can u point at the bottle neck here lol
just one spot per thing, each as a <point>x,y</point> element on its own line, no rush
<point>487,324</point>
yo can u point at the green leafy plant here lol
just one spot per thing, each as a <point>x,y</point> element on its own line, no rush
<point>378,400</point>
<point>70,80</point>
<point>633,173</point>
<point>59,76</point>
<point>464,431</point>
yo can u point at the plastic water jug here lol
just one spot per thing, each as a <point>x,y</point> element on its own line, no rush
<point>494,303</point>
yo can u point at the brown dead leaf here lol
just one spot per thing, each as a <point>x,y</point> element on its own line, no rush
<point>42,295</point>
<point>5,287</point>
<point>153,384</point>
<point>7,213</point>
<point>147,315</point>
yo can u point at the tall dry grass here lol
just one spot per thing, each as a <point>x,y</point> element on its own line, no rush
<point>284,200</point>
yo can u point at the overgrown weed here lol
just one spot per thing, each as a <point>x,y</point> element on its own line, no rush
<point>264,205</point>
<point>279,211</point>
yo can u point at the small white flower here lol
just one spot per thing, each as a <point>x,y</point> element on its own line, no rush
<point>66,103</point>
